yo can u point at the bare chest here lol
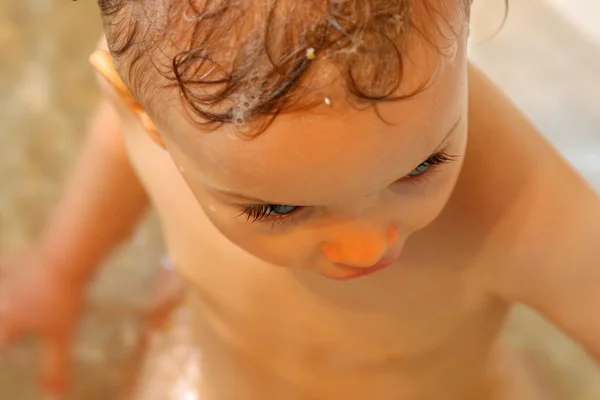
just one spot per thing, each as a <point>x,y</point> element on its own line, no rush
<point>403,331</point>
<point>290,343</point>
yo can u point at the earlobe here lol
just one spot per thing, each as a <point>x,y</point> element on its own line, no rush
<point>103,64</point>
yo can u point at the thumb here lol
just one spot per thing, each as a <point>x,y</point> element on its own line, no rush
<point>56,356</point>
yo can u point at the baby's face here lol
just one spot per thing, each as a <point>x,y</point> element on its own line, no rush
<point>334,189</point>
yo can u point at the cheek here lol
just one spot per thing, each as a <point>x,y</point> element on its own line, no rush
<point>428,205</point>
<point>446,188</point>
<point>261,240</point>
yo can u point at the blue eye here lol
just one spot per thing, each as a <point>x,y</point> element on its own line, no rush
<point>263,211</point>
<point>281,210</point>
<point>421,169</point>
<point>436,159</point>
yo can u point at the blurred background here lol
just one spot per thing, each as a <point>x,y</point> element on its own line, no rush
<point>546,57</point>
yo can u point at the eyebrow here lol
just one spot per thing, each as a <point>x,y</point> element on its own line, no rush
<point>253,200</point>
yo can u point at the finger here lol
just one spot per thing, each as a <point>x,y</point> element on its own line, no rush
<point>56,355</point>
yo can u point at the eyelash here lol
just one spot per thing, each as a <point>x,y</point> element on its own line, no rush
<point>260,212</point>
<point>265,212</point>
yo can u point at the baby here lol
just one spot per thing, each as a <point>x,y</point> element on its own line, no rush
<point>353,208</point>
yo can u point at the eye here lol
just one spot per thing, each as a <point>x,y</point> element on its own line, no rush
<point>282,209</point>
<point>421,169</point>
<point>264,211</point>
<point>439,158</point>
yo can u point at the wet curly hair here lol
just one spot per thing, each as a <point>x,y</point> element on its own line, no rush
<point>234,61</point>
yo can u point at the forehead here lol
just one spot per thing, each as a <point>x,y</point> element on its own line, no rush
<point>328,153</point>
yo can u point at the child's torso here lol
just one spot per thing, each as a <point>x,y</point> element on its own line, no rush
<point>424,329</point>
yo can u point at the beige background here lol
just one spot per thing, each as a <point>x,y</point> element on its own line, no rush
<point>547,58</point>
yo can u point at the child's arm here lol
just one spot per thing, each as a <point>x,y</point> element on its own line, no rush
<point>101,205</point>
<point>551,226</point>
<point>44,293</point>
<point>104,198</point>
<point>560,275</point>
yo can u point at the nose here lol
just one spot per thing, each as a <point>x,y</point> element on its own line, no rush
<point>360,246</point>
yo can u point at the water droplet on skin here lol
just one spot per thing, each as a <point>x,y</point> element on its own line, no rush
<point>327,101</point>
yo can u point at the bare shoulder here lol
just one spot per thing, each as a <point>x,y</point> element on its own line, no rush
<point>541,218</point>
<point>524,191</point>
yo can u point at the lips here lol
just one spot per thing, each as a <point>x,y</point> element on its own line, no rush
<point>353,272</point>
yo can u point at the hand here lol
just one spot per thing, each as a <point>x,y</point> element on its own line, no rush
<point>35,298</point>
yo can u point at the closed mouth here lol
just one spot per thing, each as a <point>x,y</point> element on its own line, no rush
<point>359,272</point>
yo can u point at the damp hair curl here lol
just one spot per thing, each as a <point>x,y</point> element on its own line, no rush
<point>239,61</point>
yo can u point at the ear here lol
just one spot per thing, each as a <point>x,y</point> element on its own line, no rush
<point>103,63</point>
